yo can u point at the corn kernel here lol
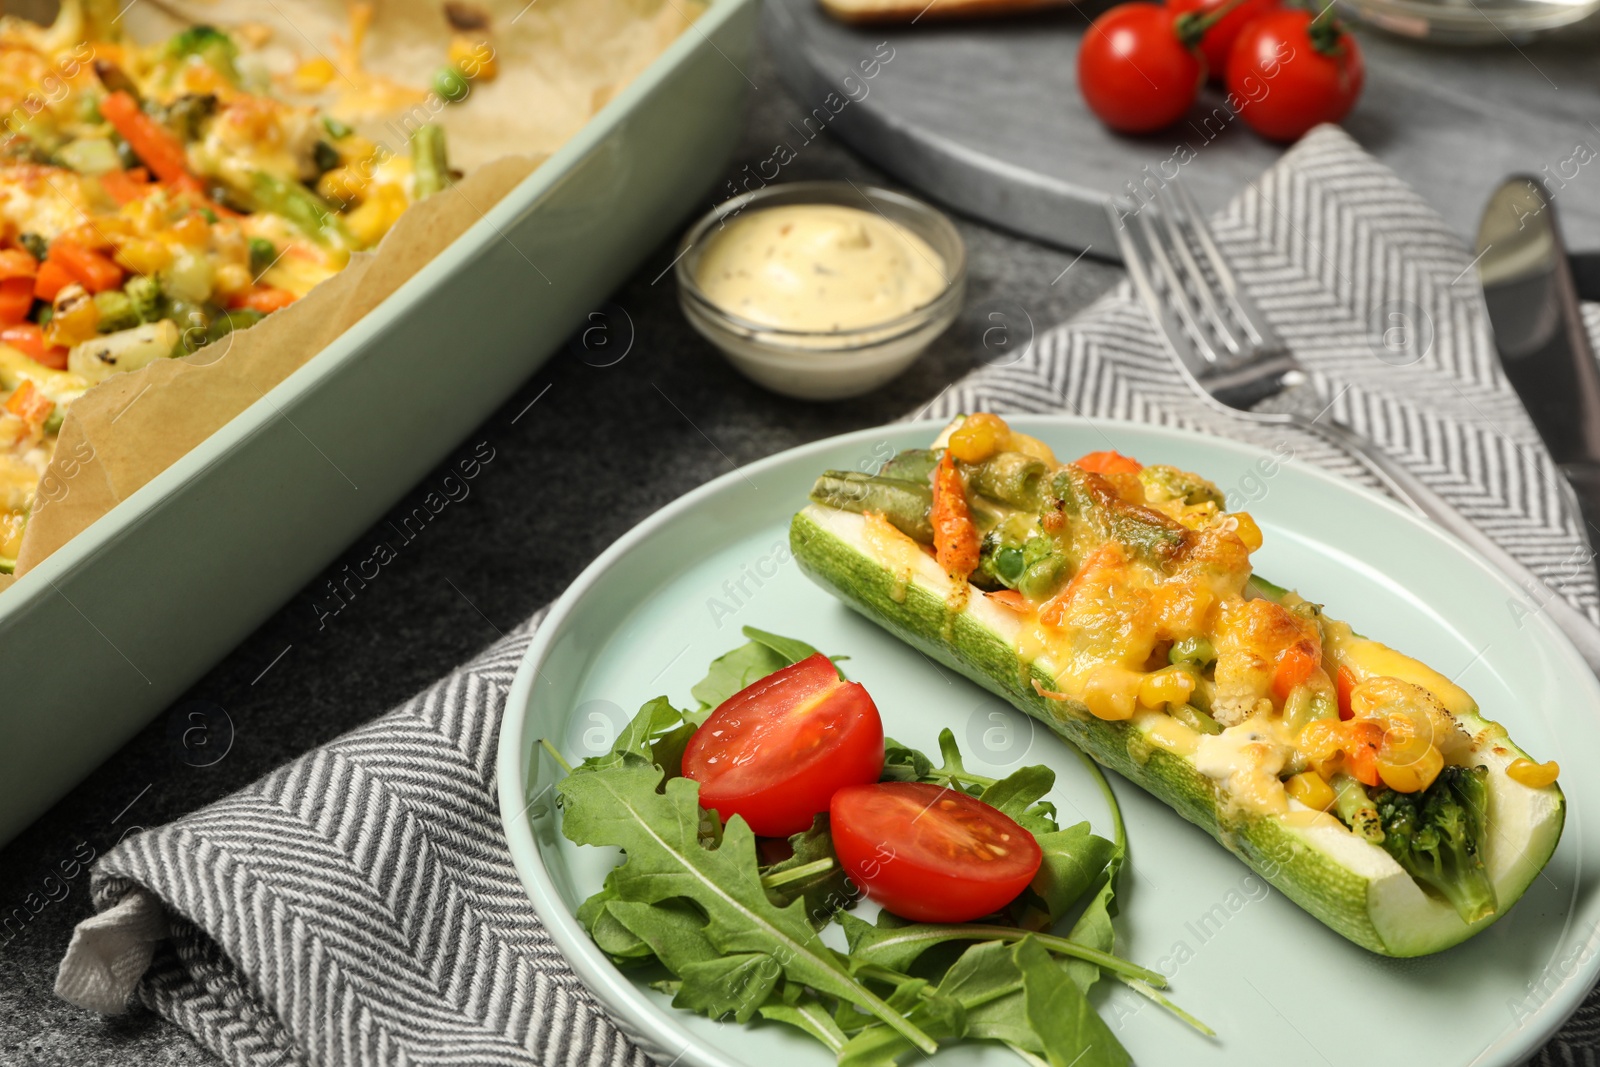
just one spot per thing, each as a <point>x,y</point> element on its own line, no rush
<point>345,185</point>
<point>978,437</point>
<point>1412,774</point>
<point>192,231</point>
<point>1169,685</point>
<point>474,58</point>
<point>1110,693</point>
<point>313,75</point>
<point>1533,775</point>
<point>1311,789</point>
<point>1247,530</point>
<point>378,212</point>
<point>230,279</point>
<point>144,256</point>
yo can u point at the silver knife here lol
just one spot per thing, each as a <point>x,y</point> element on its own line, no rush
<point>1538,330</point>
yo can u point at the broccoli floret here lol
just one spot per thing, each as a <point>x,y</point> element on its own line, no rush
<point>1437,836</point>
<point>211,45</point>
<point>144,291</point>
<point>1163,483</point>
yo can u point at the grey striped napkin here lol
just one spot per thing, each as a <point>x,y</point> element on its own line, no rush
<point>358,906</point>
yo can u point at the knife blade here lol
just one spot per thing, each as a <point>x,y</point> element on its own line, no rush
<point>1539,333</point>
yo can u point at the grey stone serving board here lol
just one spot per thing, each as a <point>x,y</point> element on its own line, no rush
<point>985,116</point>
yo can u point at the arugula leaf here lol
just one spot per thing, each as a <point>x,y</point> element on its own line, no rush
<point>788,647</point>
<point>807,1014</point>
<point>902,763</point>
<point>657,717</point>
<point>1073,859</point>
<point>1093,927</point>
<point>1071,1032</point>
<point>622,945</point>
<point>825,891</point>
<point>897,945</point>
<point>659,831</point>
<point>729,986</point>
<point>1020,795</point>
<point>747,664</point>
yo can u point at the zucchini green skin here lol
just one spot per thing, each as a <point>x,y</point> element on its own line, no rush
<point>1333,893</point>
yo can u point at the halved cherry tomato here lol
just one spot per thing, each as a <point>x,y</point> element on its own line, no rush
<point>1345,683</point>
<point>1108,463</point>
<point>28,339</point>
<point>928,853</point>
<point>776,751</point>
<point>1294,666</point>
<point>16,300</point>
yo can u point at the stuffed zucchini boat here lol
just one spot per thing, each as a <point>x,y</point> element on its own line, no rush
<point>1115,603</point>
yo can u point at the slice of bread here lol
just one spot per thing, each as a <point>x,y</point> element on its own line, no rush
<point>924,10</point>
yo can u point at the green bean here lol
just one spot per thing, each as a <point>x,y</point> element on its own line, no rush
<point>907,505</point>
<point>430,169</point>
<point>303,208</point>
<point>1194,718</point>
<point>912,465</point>
<point>1148,534</point>
<point>1009,477</point>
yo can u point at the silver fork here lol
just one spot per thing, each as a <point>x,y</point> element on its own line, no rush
<point>1234,359</point>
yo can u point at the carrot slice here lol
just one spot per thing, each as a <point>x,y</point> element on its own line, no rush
<point>16,300</point>
<point>1294,666</point>
<point>1362,739</point>
<point>1108,462</point>
<point>1010,598</point>
<point>955,538</point>
<point>28,338</point>
<point>90,269</point>
<point>53,278</point>
<point>126,186</point>
<point>160,150</point>
<point>1345,682</point>
<point>263,298</point>
<point>17,263</point>
<point>29,405</point>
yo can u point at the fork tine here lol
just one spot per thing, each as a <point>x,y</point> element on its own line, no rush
<point>1261,332</point>
<point>1134,258</point>
<point>1178,296</point>
<point>1180,243</point>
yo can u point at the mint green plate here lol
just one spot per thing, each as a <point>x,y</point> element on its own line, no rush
<point>650,614</point>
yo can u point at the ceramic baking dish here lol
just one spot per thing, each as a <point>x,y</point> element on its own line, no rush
<point>111,628</point>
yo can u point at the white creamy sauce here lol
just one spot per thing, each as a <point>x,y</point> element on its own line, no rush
<point>819,267</point>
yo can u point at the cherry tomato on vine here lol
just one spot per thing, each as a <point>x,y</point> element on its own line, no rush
<point>1135,70</point>
<point>928,853</point>
<point>1292,70</point>
<point>776,751</point>
<point>1217,44</point>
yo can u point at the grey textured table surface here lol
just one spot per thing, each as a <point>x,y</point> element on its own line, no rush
<point>987,117</point>
<point>582,453</point>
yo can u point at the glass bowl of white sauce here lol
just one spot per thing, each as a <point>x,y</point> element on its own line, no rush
<point>821,290</point>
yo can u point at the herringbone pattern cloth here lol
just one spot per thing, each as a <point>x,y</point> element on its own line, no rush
<point>358,907</point>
